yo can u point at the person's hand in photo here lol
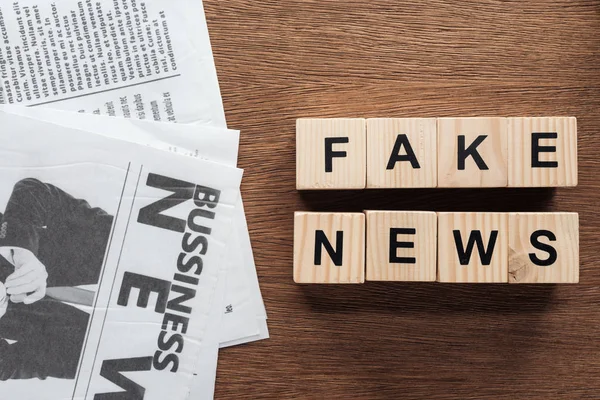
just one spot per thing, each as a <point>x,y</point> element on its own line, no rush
<point>3,300</point>
<point>28,283</point>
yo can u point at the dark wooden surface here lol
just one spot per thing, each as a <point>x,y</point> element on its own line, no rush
<point>279,60</point>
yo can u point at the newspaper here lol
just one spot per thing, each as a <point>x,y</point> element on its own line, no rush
<point>130,58</point>
<point>146,60</point>
<point>131,241</point>
<point>149,62</point>
<point>245,317</point>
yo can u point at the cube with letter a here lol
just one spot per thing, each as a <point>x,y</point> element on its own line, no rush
<point>543,248</point>
<point>472,152</point>
<point>473,247</point>
<point>329,247</point>
<point>542,152</point>
<point>331,153</point>
<point>401,153</point>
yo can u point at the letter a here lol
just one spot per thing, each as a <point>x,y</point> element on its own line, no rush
<point>402,140</point>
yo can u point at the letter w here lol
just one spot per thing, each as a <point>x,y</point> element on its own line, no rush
<point>181,192</point>
<point>464,256</point>
<point>111,370</point>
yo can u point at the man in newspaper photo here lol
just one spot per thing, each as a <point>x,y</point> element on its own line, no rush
<point>50,244</point>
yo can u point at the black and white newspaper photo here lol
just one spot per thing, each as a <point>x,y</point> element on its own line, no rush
<point>52,247</point>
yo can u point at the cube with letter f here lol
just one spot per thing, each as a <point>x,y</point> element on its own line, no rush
<point>331,153</point>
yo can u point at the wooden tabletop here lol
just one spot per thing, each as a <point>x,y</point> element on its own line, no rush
<point>280,60</point>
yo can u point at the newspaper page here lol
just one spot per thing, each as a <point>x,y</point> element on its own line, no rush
<point>245,318</point>
<point>129,241</point>
<point>130,58</point>
<point>147,60</point>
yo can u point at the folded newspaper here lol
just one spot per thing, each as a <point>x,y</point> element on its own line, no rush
<point>125,258</point>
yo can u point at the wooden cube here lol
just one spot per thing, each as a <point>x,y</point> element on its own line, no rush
<point>331,153</point>
<point>543,248</point>
<point>542,152</point>
<point>329,247</point>
<point>401,245</point>
<point>472,152</point>
<point>401,153</point>
<point>473,247</point>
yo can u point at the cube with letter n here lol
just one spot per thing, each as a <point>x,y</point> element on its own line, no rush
<point>329,247</point>
<point>331,153</point>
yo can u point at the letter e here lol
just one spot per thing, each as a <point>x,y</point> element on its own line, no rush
<point>536,149</point>
<point>146,285</point>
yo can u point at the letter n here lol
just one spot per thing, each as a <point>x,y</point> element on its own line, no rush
<point>336,254</point>
<point>181,191</point>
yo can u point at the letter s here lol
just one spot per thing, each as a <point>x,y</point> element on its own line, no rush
<point>161,365</point>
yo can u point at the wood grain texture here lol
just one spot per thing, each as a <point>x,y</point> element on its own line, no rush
<point>565,241</point>
<point>348,169</point>
<point>488,137</point>
<point>421,138</point>
<point>562,150</point>
<point>423,267</point>
<point>308,268</point>
<point>282,60</point>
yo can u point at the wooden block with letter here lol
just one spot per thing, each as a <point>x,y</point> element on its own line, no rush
<point>401,245</point>
<point>472,152</point>
<point>331,153</point>
<point>543,248</point>
<point>401,153</point>
<point>542,152</point>
<point>329,247</point>
<point>473,247</point>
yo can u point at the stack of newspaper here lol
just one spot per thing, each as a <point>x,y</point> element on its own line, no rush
<point>125,258</point>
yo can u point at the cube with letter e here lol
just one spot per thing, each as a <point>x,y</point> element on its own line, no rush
<point>542,152</point>
<point>543,248</point>
<point>473,247</point>
<point>401,246</point>
<point>329,247</point>
<point>331,153</point>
